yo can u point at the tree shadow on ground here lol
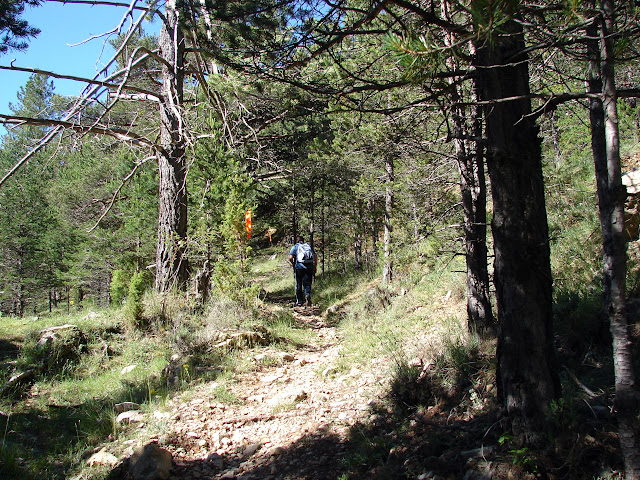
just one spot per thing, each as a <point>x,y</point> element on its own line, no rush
<point>388,444</point>
<point>35,441</point>
<point>8,350</point>
<point>282,296</point>
<point>421,430</point>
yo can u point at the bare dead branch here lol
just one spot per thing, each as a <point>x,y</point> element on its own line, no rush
<point>118,190</point>
<point>120,134</point>
<point>88,94</point>
<point>44,141</point>
<point>134,96</point>
<point>106,3</point>
<point>90,81</point>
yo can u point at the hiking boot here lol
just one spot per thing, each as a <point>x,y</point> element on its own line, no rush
<point>308,302</point>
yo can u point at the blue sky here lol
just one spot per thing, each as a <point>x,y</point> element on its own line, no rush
<point>61,25</point>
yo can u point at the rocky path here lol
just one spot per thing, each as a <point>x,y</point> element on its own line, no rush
<point>287,418</point>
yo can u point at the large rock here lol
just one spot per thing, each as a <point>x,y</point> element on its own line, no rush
<point>60,345</point>
<point>150,462</point>
<point>631,181</point>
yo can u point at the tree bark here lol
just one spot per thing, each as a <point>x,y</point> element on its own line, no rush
<point>171,263</point>
<point>615,259</point>
<point>371,205</point>
<point>527,369</point>
<point>473,190</point>
<point>474,198</point>
<point>358,237</point>
<point>294,211</point>
<point>599,150</point>
<point>322,226</point>
<point>312,214</point>
<point>387,265</point>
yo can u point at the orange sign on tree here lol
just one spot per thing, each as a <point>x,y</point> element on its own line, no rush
<point>247,223</point>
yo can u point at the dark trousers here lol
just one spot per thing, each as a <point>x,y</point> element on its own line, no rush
<point>304,277</point>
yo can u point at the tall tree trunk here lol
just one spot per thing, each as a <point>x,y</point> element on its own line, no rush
<point>312,214</point>
<point>387,265</point>
<point>19,291</point>
<point>615,260</point>
<point>374,226</point>
<point>171,264</point>
<point>474,197</point>
<point>322,225</point>
<point>357,241</point>
<point>473,190</point>
<point>294,211</point>
<point>599,150</point>
<point>528,372</point>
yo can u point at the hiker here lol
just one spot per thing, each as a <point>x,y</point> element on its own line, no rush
<point>305,262</point>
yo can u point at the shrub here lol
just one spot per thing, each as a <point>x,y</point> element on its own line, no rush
<point>119,286</point>
<point>134,308</point>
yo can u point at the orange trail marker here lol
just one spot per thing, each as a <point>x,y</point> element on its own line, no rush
<point>247,223</point>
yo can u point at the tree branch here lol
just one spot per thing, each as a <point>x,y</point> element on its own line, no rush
<point>90,81</point>
<point>120,134</point>
<point>106,3</point>
<point>117,192</point>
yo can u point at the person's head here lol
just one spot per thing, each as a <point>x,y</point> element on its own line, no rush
<point>299,239</point>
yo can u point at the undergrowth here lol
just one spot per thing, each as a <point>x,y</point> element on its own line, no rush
<point>441,397</point>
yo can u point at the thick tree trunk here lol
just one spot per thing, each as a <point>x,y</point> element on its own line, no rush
<point>615,260</point>
<point>171,264</point>
<point>387,265</point>
<point>528,373</point>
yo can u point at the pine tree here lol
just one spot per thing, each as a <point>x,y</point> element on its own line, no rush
<point>31,251</point>
<point>14,31</point>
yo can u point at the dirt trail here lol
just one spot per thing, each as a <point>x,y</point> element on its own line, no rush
<point>289,417</point>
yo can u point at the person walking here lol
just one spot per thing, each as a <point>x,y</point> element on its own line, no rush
<point>305,263</point>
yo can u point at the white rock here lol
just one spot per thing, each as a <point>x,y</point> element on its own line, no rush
<point>128,369</point>
<point>270,378</point>
<point>250,449</point>
<point>102,457</point>
<point>132,416</point>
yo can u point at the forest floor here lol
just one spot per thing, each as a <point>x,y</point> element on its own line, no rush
<point>299,414</point>
<point>288,418</point>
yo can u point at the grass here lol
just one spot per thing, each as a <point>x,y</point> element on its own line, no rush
<point>437,372</point>
<point>72,407</point>
<point>63,413</point>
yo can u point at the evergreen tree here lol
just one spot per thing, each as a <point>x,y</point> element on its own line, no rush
<point>31,249</point>
<point>14,30</point>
